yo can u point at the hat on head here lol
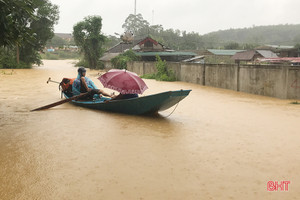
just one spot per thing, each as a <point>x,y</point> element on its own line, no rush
<point>81,70</point>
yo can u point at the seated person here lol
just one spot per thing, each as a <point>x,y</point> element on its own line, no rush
<point>83,84</point>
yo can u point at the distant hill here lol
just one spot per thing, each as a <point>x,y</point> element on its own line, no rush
<point>275,34</point>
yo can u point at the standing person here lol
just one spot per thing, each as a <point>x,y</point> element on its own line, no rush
<point>83,84</point>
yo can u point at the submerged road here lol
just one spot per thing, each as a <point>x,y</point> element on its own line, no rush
<point>218,144</point>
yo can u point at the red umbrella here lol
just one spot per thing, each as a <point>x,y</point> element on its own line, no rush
<point>123,81</point>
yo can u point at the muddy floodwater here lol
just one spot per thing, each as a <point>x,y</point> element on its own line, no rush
<point>218,144</point>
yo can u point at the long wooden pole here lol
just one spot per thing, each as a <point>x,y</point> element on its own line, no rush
<point>59,102</point>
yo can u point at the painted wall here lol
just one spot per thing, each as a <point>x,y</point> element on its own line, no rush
<point>268,80</point>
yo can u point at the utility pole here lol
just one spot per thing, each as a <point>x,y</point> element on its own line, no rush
<point>135,7</point>
<point>152,17</point>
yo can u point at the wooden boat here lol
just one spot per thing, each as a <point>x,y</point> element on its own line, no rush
<point>150,104</point>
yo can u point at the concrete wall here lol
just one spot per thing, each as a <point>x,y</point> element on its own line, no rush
<point>293,83</point>
<point>149,68</point>
<point>263,80</point>
<point>137,67</point>
<point>221,76</point>
<point>192,73</point>
<point>274,81</point>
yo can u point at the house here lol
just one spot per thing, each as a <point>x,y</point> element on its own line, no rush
<point>139,45</point>
<point>106,58</point>
<point>253,55</point>
<point>147,48</point>
<point>282,50</point>
<point>219,56</point>
<point>145,45</point>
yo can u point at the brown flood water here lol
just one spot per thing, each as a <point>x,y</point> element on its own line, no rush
<point>218,144</point>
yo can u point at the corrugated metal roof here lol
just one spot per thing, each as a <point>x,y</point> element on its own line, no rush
<point>166,53</point>
<point>224,52</point>
<point>246,55</point>
<point>194,58</point>
<point>267,53</point>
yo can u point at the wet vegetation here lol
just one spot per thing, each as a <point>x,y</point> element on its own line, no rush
<point>25,27</point>
<point>163,73</point>
<point>88,37</point>
<point>120,61</point>
<point>295,102</point>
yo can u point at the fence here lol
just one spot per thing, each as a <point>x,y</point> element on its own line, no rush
<point>280,81</point>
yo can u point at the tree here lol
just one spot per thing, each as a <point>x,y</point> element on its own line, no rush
<point>172,38</point>
<point>56,41</point>
<point>25,26</point>
<point>232,45</point>
<point>111,41</point>
<point>191,41</point>
<point>42,26</point>
<point>296,39</point>
<point>14,17</point>
<point>136,24</point>
<point>87,35</point>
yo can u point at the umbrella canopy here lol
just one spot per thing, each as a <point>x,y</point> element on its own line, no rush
<point>123,81</point>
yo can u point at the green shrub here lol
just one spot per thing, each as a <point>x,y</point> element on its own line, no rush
<point>165,77</point>
<point>81,63</point>
<point>8,60</point>
<point>295,102</point>
<point>100,65</point>
<point>120,61</point>
<point>162,74</point>
<point>149,76</point>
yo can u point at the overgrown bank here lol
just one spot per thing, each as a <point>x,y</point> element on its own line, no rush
<point>163,73</point>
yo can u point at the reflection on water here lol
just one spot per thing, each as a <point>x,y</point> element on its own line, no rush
<point>70,152</point>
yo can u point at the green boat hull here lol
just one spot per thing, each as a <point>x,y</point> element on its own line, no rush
<point>137,106</point>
